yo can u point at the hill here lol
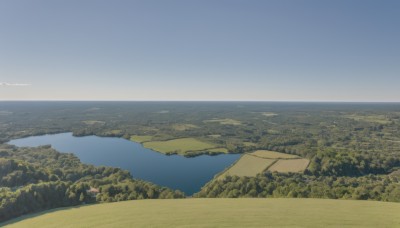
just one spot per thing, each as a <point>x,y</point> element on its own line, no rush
<point>242,212</point>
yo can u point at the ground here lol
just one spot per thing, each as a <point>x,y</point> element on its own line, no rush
<point>220,213</point>
<point>251,164</point>
<point>179,146</point>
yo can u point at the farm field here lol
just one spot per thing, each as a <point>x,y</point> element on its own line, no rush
<point>241,212</point>
<point>179,146</point>
<point>256,162</point>
<point>247,165</point>
<point>272,154</point>
<point>290,165</point>
<point>224,121</point>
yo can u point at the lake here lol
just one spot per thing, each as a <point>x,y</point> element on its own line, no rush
<point>174,171</point>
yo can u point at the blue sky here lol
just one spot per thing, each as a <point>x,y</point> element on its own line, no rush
<point>200,50</point>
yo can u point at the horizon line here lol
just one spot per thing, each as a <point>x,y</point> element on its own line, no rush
<point>273,101</point>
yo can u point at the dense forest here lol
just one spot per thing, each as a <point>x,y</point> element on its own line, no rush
<point>35,179</point>
<point>281,185</point>
<point>354,149</point>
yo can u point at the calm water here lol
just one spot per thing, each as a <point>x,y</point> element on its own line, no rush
<point>176,172</point>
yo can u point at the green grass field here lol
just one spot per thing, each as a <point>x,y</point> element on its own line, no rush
<point>247,165</point>
<point>272,154</point>
<point>179,146</point>
<point>251,164</point>
<point>290,165</point>
<point>220,213</point>
<point>224,121</point>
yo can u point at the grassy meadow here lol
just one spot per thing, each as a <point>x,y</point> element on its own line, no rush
<point>243,212</point>
<point>272,154</point>
<point>248,166</point>
<point>180,146</point>
<point>289,165</point>
<point>226,121</point>
<point>251,164</point>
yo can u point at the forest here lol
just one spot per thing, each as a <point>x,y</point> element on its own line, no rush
<point>36,179</point>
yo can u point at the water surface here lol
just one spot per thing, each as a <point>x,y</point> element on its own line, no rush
<point>176,172</point>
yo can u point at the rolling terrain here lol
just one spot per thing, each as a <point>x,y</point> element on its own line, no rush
<point>220,213</point>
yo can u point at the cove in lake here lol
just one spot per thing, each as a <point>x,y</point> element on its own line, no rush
<point>174,171</point>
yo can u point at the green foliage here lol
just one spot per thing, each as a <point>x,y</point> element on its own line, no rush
<point>35,179</point>
<point>370,187</point>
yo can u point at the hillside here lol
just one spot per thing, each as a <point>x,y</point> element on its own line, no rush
<point>220,213</point>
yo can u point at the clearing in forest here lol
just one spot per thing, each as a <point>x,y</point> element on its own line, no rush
<point>224,121</point>
<point>289,165</point>
<point>273,154</point>
<point>248,166</point>
<point>251,164</point>
<point>179,146</point>
<point>269,114</point>
<point>93,122</point>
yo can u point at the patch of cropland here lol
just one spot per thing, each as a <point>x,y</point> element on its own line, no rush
<point>221,213</point>
<point>289,165</point>
<point>247,165</point>
<point>183,146</point>
<point>251,164</point>
<point>224,121</point>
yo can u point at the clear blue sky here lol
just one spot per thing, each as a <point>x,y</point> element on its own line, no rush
<point>322,50</point>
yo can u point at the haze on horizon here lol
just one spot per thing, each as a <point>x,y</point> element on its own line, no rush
<point>200,50</point>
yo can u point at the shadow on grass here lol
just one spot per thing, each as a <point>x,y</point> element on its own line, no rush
<point>36,214</point>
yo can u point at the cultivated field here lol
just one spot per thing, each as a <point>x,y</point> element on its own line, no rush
<point>179,146</point>
<point>269,114</point>
<point>290,165</point>
<point>93,122</point>
<point>272,154</point>
<point>251,164</point>
<point>248,166</point>
<point>224,121</point>
<point>220,213</point>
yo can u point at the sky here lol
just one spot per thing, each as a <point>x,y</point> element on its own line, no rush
<point>267,50</point>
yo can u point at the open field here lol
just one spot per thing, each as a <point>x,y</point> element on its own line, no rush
<point>92,122</point>
<point>179,146</point>
<point>251,164</point>
<point>248,166</point>
<point>141,138</point>
<point>291,165</point>
<point>220,213</point>
<point>224,121</point>
<point>272,154</point>
<point>269,114</point>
